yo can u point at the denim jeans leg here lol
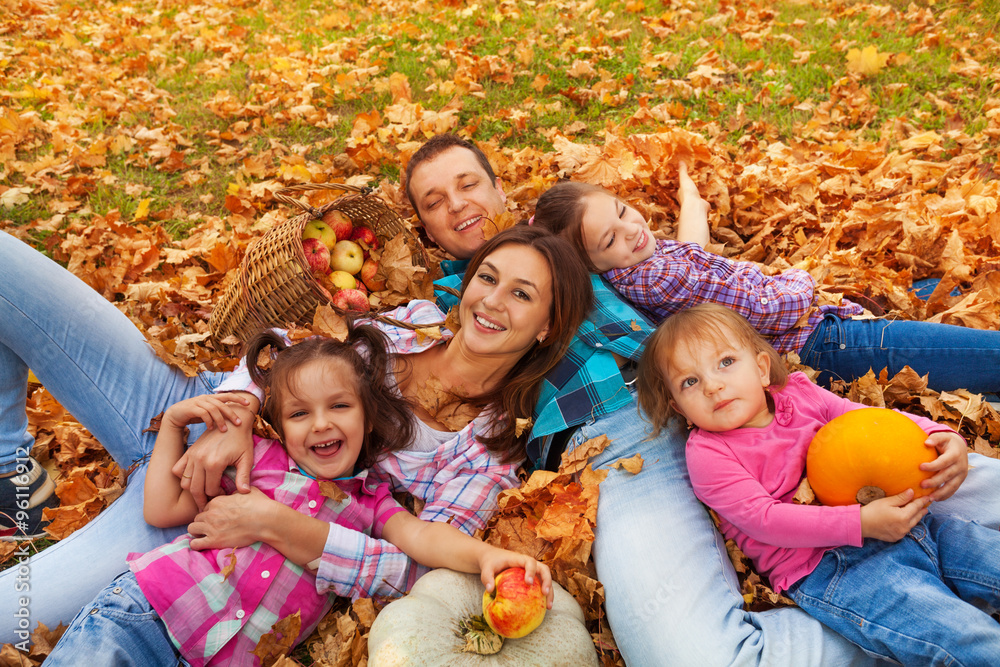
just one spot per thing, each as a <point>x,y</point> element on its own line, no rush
<point>118,629</point>
<point>891,599</point>
<point>671,592</point>
<point>100,367</point>
<point>952,357</point>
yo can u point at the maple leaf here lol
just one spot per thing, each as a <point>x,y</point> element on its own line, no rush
<point>867,61</point>
<point>445,406</point>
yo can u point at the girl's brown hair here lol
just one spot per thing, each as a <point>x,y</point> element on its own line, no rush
<point>706,321</point>
<point>388,416</point>
<point>572,298</point>
<point>560,210</point>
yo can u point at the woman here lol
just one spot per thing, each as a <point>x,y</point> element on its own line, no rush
<point>517,319</point>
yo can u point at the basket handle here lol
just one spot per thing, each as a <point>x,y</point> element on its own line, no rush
<point>284,194</point>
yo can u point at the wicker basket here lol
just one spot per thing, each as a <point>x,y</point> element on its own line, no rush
<point>275,286</point>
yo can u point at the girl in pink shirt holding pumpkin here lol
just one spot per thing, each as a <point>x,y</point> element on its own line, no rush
<point>894,579</point>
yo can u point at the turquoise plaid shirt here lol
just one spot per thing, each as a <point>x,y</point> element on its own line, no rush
<point>587,383</point>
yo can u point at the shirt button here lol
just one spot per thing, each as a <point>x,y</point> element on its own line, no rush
<point>312,504</point>
<point>764,301</point>
<point>265,574</point>
<point>240,614</point>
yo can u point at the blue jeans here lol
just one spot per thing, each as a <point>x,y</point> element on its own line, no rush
<point>672,595</point>
<point>911,600</point>
<point>119,628</point>
<point>953,357</point>
<point>100,367</point>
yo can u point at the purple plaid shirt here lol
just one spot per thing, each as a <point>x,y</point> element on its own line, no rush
<point>681,275</point>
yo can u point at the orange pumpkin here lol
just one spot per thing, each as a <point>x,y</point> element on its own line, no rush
<point>869,447</point>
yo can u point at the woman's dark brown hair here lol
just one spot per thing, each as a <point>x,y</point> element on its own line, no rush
<point>572,298</point>
<point>388,416</point>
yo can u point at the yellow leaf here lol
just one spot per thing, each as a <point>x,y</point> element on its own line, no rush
<point>142,211</point>
<point>867,61</point>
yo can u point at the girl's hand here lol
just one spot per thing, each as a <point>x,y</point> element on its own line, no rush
<point>950,467</point>
<point>890,519</point>
<point>686,188</point>
<point>231,521</point>
<point>495,560</point>
<point>214,410</point>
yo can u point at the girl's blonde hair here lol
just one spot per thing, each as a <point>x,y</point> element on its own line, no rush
<point>706,321</point>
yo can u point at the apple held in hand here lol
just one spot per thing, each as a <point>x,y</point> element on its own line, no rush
<point>339,223</point>
<point>317,256</point>
<point>317,229</point>
<point>347,256</point>
<point>514,608</point>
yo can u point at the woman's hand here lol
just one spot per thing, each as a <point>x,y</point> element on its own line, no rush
<point>949,468</point>
<point>200,468</point>
<point>235,520</point>
<point>493,561</point>
<point>890,519</point>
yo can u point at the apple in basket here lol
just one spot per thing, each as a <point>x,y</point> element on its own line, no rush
<point>339,223</point>
<point>317,256</point>
<point>343,280</point>
<point>317,229</point>
<point>368,276</point>
<point>351,299</point>
<point>347,256</point>
<point>364,237</point>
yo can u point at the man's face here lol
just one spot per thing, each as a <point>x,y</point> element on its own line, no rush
<point>454,197</point>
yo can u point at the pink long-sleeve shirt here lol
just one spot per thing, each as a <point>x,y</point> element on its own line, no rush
<point>750,475</point>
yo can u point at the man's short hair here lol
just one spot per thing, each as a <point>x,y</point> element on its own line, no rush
<point>437,145</point>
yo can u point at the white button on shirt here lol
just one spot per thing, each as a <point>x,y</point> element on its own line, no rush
<point>312,504</point>
<point>265,574</point>
<point>240,614</point>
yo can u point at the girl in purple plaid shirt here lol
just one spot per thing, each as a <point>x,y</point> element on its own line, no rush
<point>334,413</point>
<point>664,276</point>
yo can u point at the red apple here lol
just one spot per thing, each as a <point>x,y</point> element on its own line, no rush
<point>339,223</point>
<point>515,608</point>
<point>317,256</point>
<point>369,271</point>
<point>347,256</point>
<point>343,280</point>
<point>351,299</point>
<point>364,237</point>
<point>317,229</point>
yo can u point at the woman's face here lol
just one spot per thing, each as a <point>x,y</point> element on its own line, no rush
<point>615,235</point>
<point>506,305</point>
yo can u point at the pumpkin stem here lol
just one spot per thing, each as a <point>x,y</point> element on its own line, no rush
<point>866,494</point>
<point>479,636</point>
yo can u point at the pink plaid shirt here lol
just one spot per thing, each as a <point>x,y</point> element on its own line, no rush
<point>681,275</point>
<point>218,621</point>
<point>459,482</point>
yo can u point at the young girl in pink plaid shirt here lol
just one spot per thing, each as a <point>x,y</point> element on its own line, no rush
<point>335,413</point>
<point>663,277</point>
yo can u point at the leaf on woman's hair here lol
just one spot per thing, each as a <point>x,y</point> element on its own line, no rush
<point>522,425</point>
<point>279,641</point>
<point>453,322</point>
<point>230,565</point>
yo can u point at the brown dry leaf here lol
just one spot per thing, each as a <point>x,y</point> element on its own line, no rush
<point>633,464</point>
<point>867,61</point>
<point>262,429</point>
<point>804,495</point>
<point>332,491</point>
<point>279,641</point>
<point>444,406</point>
<point>575,460</point>
<point>230,565</point>
<point>503,221</point>
<point>453,322</point>
<point>327,322</point>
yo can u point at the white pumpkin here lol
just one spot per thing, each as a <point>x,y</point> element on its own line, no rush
<point>421,629</point>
